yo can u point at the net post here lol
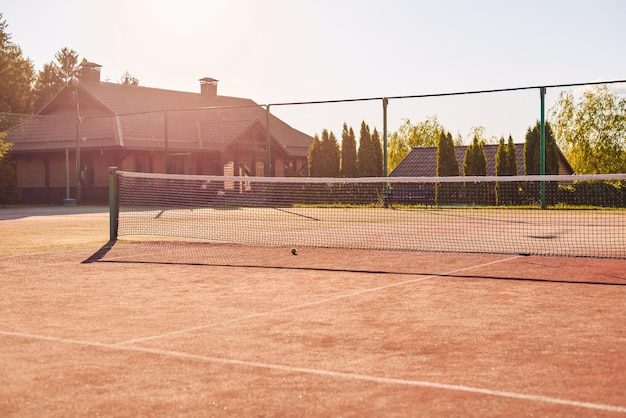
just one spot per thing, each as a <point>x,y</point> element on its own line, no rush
<point>113,205</point>
<point>385,103</point>
<point>542,148</point>
<point>268,136</point>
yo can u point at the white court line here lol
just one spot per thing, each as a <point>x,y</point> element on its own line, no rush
<point>331,373</point>
<point>309,304</point>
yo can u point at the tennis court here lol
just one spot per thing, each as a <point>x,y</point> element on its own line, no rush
<point>183,328</point>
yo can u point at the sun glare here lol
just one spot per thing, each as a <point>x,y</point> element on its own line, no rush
<point>186,15</point>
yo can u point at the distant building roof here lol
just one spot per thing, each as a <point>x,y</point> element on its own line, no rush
<point>422,161</point>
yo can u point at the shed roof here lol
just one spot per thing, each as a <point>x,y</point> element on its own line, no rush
<point>422,161</point>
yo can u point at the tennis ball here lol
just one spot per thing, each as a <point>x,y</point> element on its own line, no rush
<point>294,251</point>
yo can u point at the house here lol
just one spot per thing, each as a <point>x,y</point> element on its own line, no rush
<point>422,161</point>
<point>150,130</point>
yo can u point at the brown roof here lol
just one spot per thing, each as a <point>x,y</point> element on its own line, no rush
<point>422,161</point>
<point>116,115</point>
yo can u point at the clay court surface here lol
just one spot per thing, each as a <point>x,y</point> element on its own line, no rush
<point>154,328</point>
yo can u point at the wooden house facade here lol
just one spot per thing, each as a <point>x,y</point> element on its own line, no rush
<point>149,130</point>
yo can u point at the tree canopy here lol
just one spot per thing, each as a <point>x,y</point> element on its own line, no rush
<point>55,76</point>
<point>23,90</point>
<point>129,80</point>
<point>409,136</point>
<point>591,130</point>
<point>16,77</point>
<point>4,146</point>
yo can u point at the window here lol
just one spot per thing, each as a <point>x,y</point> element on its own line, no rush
<point>290,167</point>
<point>143,164</point>
<point>180,164</point>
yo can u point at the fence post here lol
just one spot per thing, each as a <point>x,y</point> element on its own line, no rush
<point>542,148</point>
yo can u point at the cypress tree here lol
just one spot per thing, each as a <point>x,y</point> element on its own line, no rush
<point>368,166</point>
<point>532,161</point>
<point>365,154</point>
<point>511,157</point>
<point>475,164</point>
<point>333,156</point>
<point>329,155</point>
<point>314,157</point>
<point>502,162</point>
<point>532,151</point>
<point>503,168</point>
<point>377,153</point>
<point>447,166</point>
<point>348,153</point>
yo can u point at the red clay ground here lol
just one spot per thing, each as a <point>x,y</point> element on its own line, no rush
<point>190,329</point>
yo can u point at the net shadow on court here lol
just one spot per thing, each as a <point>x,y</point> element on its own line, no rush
<point>243,256</point>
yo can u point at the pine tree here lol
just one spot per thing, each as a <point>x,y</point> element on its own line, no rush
<point>16,77</point>
<point>56,75</point>
<point>47,85</point>
<point>348,153</point>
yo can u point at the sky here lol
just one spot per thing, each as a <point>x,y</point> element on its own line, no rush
<point>282,51</point>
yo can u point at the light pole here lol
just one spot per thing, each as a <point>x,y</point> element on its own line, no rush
<point>74,81</point>
<point>67,201</point>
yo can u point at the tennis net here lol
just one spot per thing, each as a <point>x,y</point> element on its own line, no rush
<point>554,215</point>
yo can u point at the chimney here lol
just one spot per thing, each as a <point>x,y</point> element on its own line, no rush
<point>89,71</point>
<point>208,87</point>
